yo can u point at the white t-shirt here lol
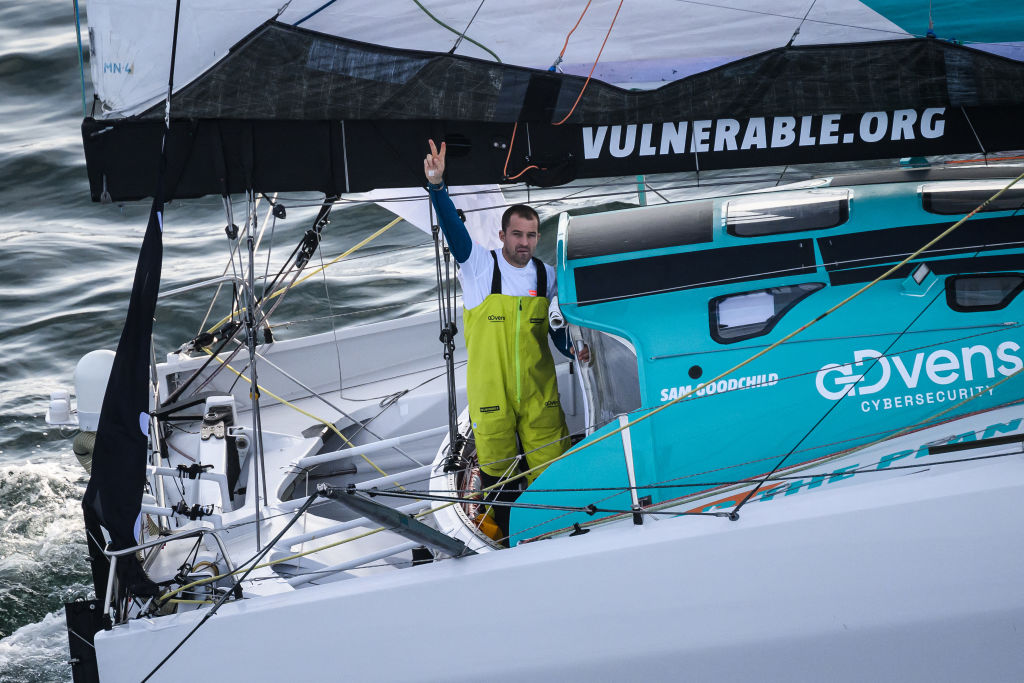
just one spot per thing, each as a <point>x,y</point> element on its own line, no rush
<point>476,274</point>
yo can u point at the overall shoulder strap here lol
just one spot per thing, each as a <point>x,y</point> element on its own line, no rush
<point>496,276</point>
<point>542,277</point>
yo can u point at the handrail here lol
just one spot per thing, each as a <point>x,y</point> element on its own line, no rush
<point>239,282</point>
<point>372,447</point>
<point>403,477</point>
<point>296,581</point>
<point>411,509</point>
<point>219,477</point>
<point>161,540</point>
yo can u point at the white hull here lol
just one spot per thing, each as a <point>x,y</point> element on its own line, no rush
<point>911,578</point>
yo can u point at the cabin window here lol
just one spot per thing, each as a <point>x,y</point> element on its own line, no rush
<point>751,314</point>
<point>952,199</point>
<point>968,293</point>
<point>611,380</point>
<point>781,212</point>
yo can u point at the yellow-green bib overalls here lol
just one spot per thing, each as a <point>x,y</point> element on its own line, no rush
<point>511,382</point>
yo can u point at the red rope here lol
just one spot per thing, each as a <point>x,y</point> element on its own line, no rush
<point>508,156</point>
<point>587,82</point>
<point>568,35</point>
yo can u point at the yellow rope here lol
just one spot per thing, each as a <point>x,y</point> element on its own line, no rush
<point>326,423</point>
<point>295,556</point>
<point>346,253</point>
<point>683,500</point>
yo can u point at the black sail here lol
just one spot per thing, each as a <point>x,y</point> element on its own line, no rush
<point>113,498</point>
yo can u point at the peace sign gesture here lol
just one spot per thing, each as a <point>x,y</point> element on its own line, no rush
<point>433,164</point>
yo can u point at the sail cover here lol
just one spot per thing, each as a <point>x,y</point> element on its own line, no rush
<point>293,106</point>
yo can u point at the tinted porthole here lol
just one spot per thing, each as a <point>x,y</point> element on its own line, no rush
<point>751,314</point>
<point>696,372</point>
<point>990,292</point>
<point>951,199</point>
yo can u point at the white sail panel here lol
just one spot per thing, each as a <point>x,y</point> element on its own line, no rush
<point>651,43</point>
<point>481,204</point>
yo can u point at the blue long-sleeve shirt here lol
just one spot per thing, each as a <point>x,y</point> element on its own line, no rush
<point>461,245</point>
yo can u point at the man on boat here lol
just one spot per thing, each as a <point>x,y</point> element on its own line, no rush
<point>511,382</point>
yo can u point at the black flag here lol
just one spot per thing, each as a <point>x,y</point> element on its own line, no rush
<point>113,498</point>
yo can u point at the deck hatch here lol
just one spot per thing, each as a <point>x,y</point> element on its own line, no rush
<point>706,268</point>
<point>781,212</point>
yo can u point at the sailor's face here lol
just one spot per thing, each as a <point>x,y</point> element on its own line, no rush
<point>519,240</point>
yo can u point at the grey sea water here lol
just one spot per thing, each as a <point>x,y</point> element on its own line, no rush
<point>66,266</point>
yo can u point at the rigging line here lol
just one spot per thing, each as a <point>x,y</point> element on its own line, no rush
<point>330,425</point>
<point>808,324</point>
<point>341,256</point>
<point>314,394</point>
<point>315,12</point>
<point>555,518</point>
<point>512,142</point>
<point>797,31</point>
<point>272,219</point>
<point>81,65</point>
<point>456,32</point>
<point>445,317</point>
<point>1002,327</point>
<point>588,509</point>
<point>976,138</point>
<point>360,311</point>
<point>930,464</point>
<point>596,60</point>
<point>170,76</point>
<point>465,30</point>
<point>818,462</point>
<point>293,259</point>
<point>683,500</point>
<point>779,180</point>
<point>334,334</point>
<point>349,539</point>
<point>790,16</point>
<point>229,215</point>
<point>223,598</point>
<point>264,316</point>
<point>940,291</point>
<point>986,159</point>
<point>870,468</point>
<point>558,60</point>
<point>936,416</point>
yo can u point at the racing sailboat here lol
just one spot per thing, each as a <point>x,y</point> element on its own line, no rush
<point>801,424</point>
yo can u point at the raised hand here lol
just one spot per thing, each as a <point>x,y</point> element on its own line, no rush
<point>433,164</point>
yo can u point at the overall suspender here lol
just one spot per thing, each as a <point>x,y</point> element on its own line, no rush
<point>542,276</point>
